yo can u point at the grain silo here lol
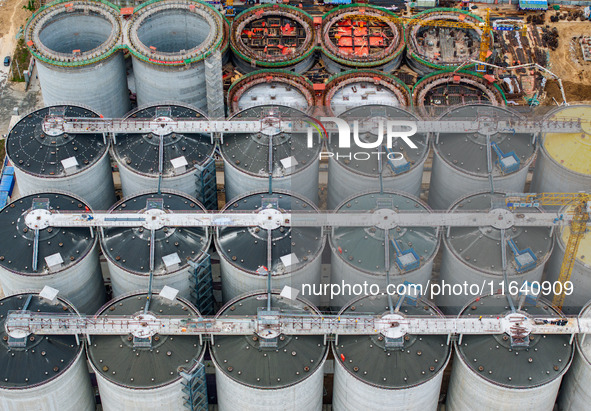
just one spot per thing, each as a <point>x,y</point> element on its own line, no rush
<point>248,157</point>
<point>251,375</point>
<point>65,258</point>
<point>42,372</point>
<point>169,41</point>
<point>394,377</point>
<point>359,254</point>
<point>491,373</point>
<point>362,37</point>
<point>128,249</point>
<point>461,159</point>
<point>138,374</point>
<point>243,251</point>
<point>352,171</point>
<point>76,46</point>
<point>273,36</point>
<point>474,254</point>
<point>563,165</point>
<point>186,162</point>
<point>47,159</point>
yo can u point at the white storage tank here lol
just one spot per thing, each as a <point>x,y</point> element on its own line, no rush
<point>67,258</point>
<point>47,159</point>
<point>490,374</point>
<point>42,372</point>
<point>250,376</point>
<point>134,374</point>
<point>400,378</point>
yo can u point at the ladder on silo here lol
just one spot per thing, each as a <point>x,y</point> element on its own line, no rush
<point>214,85</point>
<point>206,184</point>
<point>195,389</point>
<point>202,288</point>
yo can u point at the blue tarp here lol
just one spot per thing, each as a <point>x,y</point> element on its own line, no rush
<point>533,4</point>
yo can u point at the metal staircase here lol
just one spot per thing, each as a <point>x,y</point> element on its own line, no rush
<point>202,288</point>
<point>195,389</point>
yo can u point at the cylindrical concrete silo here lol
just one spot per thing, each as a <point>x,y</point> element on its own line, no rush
<point>474,254</point>
<point>46,159</point>
<point>128,249</point>
<point>169,41</point>
<point>42,372</point>
<point>67,258</point>
<point>563,165</point>
<point>358,254</point>
<point>354,170</point>
<point>460,160</point>
<point>294,164</point>
<point>296,251</point>
<point>138,375</point>
<point>401,378</point>
<point>250,376</point>
<point>492,375</point>
<point>76,46</point>
<point>186,157</point>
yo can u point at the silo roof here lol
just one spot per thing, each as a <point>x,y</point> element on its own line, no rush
<point>117,360</point>
<point>246,247</point>
<point>129,248</point>
<point>584,250</point>
<point>367,359</point>
<point>467,151</point>
<point>479,247</point>
<point>140,152</point>
<point>70,244</point>
<point>363,248</point>
<point>546,358</point>
<point>244,360</point>
<point>43,153</point>
<point>44,358</point>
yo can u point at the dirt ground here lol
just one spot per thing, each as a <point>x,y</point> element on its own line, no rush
<point>12,16</point>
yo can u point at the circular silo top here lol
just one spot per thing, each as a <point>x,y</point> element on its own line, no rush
<point>249,152</point>
<point>244,360</point>
<point>125,362</point>
<point>293,247</point>
<point>569,150</point>
<point>38,148</point>
<point>181,152</point>
<point>59,248</point>
<point>493,358</point>
<point>584,250</point>
<point>363,248</point>
<point>396,160</point>
<point>479,247</point>
<point>129,248</point>
<point>366,357</point>
<point>37,359</point>
<point>467,151</point>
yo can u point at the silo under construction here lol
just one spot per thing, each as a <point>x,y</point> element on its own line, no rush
<point>563,165</point>
<point>252,372</point>
<point>183,162</point>
<point>352,171</point>
<point>250,159</point>
<point>362,37</point>
<point>360,255</point>
<point>271,87</point>
<point>355,88</point>
<point>42,372</point>
<point>158,372</point>
<point>273,36</point>
<point>244,251</point>
<point>170,41</point>
<point>435,47</point>
<point>63,258</point>
<point>475,255</point>
<point>494,372</point>
<point>46,158</point>
<point>76,46</point>
<point>129,253</point>
<point>461,159</point>
<point>403,375</point>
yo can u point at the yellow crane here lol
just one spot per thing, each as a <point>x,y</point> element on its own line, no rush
<point>579,206</point>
